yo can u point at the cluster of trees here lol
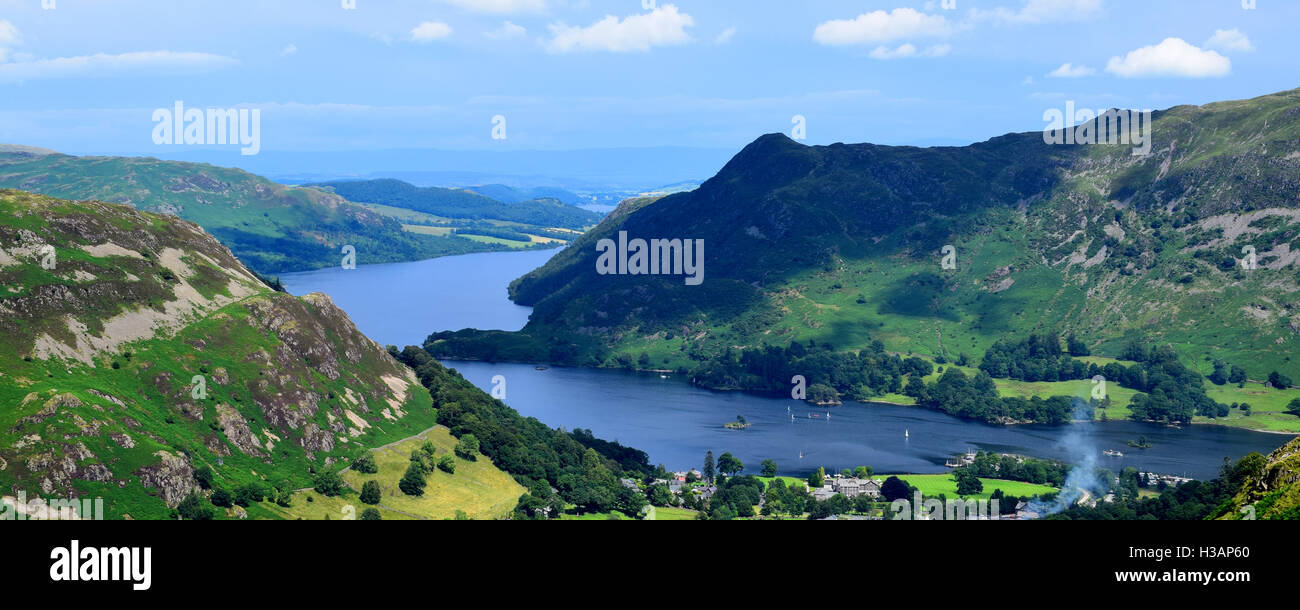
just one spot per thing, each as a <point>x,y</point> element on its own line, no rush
<point>977,398</point>
<point>558,468</point>
<point>989,465</point>
<point>856,375</point>
<point>197,507</point>
<point>1171,392</point>
<point>1225,373</point>
<point>736,497</point>
<point>423,461</point>
<point>871,372</point>
<point>1037,358</point>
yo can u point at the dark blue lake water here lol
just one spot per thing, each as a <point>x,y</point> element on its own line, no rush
<point>676,423</point>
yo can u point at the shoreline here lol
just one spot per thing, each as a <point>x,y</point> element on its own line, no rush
<point>859,402</point>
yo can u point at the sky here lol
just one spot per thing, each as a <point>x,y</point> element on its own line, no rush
<point>86,76</point>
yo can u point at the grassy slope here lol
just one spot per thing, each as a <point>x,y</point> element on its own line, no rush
<point>477,488</point>
<point>294,373</point>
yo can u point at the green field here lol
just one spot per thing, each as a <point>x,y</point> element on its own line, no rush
<point>931,485</point>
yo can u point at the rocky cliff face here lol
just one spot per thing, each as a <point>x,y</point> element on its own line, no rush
<point>136,349</point>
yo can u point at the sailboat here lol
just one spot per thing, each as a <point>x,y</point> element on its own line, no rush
<point>905,434</point>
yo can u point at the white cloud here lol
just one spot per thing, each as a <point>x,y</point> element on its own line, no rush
<point>879,26</point>
<point>660,27</point>
<point>1230,40</point>
<point>1069,70</point>
<point>1172,57</point>
<point>430,31</point>
<point>124,64</point>
<point>1043,11</point>
<point>907,50</point>
<point>500,7</point>
<point>724,36</point>
<point>289,50</point>
<point>507,31</point>
<point>9,36</point>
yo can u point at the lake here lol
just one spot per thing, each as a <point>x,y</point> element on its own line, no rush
<point>403,303</point>
<point>676,423</point>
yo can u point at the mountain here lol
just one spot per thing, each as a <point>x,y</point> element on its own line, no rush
<point>272,228</point>
<point>844,246</point>
<point>137,351</point>
<point>462,204</point>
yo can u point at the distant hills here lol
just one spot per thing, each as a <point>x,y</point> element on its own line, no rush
<point>509,194</point>
<point>272,228</point>
<point>464,204</point>
<point>582,170</point>
<point>843,245</point>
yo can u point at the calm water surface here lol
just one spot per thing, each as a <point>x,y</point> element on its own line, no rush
<point>676,423</point>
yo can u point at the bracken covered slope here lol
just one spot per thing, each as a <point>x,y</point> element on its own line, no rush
<point>135,348</point>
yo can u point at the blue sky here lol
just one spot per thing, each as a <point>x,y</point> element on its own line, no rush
<point>86,75</point>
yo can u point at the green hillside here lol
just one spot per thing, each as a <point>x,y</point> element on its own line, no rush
<point>137,355</point>
<point>272,228</point>
<point>841,246</point>
<point>1269,486</point>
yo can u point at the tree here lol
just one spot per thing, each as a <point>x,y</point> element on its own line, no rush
<point>660,495</point>
<point>729,464</point>
<point>468,447</point>
<point>370,492</point>
<point>708,467</point>
<point>329,484</point>
<point>817,479</point>
<point>447,464</point>
<point>204,476</point>
<point>1279,380</point>
<point>769,468</point>
<point>413,481</point>
<point>193,508</point>
<point>895,488</point>
<point>371,514</point>
<point>1294,407</point>
<point>967,483</point>
<point>248,494</point>
<point>365,464</point>
<point>863,472</point>
<point>222,498</point>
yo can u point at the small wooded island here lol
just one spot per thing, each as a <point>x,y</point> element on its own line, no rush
<point>739,424</point>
